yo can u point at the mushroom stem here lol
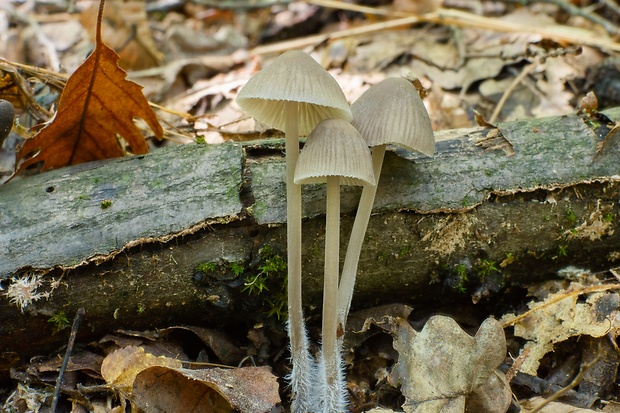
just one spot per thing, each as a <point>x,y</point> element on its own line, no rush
<point>354,248</point>
<point>334,391</point>
<point>301,374</point>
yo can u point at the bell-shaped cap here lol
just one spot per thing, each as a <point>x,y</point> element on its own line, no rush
<point>335,148</point>
<point>294,77</point>
<point>392,112</point>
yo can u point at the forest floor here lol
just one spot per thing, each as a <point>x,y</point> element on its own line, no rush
<point>490,61</point>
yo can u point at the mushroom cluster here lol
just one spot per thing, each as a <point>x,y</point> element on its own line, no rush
<point>295,94</point>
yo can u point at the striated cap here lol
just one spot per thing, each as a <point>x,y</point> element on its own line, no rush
<point>294,77</point>
<point>335,148</point>
<point>391,112</point>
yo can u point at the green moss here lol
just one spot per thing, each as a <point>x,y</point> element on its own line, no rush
<point>570,215</point>
<point>460,278</point>
<point>207,267</point>
<point>59,321</point>
<point>508,260</point>
<point>562,250</point>
<point>106,203</point>
<point>485,267</point>
<point>200,140</point>
<point>270,275</point>
<point>141,308</point>
<point>468,201</point>
<point>157,183</point>
<point>383,256</point>
<point>315,250</point>
<point>237,268</point>
<point>461,271</point>
<point>404,250</point>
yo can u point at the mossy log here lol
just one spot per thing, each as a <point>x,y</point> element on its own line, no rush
<point>176,235</point>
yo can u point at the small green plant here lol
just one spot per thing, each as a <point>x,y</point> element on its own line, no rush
<point>404,250</point>
<point>206,267</point>
<point>570,215</point>
<point>484,268</point>
<point>59,321</point>
<point>141,308</point>
<point>237,268</point>
<point>270,275</point>
<point>106,203</point>
<point>609,217</point>
<point>562,250</point>
<point>508,260</point>
<point>460,278</point>
<point>271,264</point>
<point>256,284</point>
<point>278,305</point>
<point>200,140</point>
<point>461,271</point>
<point>383,256</point>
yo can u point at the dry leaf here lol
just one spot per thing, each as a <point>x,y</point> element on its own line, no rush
<point>97,104</point>
<point>442,366</point>
<point>171,390</point>
<point>224,348</point>
<point>121,367</point>
<point>559,317</point>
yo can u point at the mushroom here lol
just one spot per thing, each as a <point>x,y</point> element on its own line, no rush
<point>7,113</point>
<point>294,93</point>
<point>390,112</point>
<point>334,154</point>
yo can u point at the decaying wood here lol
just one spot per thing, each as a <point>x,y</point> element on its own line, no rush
<point>124,238</point>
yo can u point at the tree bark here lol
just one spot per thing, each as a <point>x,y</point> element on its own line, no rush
<point>176,236</point>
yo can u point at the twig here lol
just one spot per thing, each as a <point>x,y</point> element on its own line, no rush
<point>498,108</point>
<point>613,5</point>
<point>586,290</point>
<point>516,365</point>
<point>577,11</point>
<point>442,16</point>
<point>74,329</point>
<point>582,371</point>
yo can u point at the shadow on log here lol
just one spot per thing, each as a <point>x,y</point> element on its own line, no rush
<point>175,236</point>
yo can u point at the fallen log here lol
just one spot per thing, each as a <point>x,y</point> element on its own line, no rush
<point>182,234</point>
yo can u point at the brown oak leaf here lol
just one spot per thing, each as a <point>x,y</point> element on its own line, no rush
<point>97,104</point>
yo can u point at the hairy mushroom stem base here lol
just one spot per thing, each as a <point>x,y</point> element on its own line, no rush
<point>303,365</point>
<point>335,154</point>
<point>354,248</point>
<point>335,399</point>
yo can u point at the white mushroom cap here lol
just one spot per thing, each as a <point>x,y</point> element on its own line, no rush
<point>294,77</point>
<point>335,148</point>
<point>392,112</point>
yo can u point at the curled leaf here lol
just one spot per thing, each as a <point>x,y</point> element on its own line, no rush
<point>172,390</point>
